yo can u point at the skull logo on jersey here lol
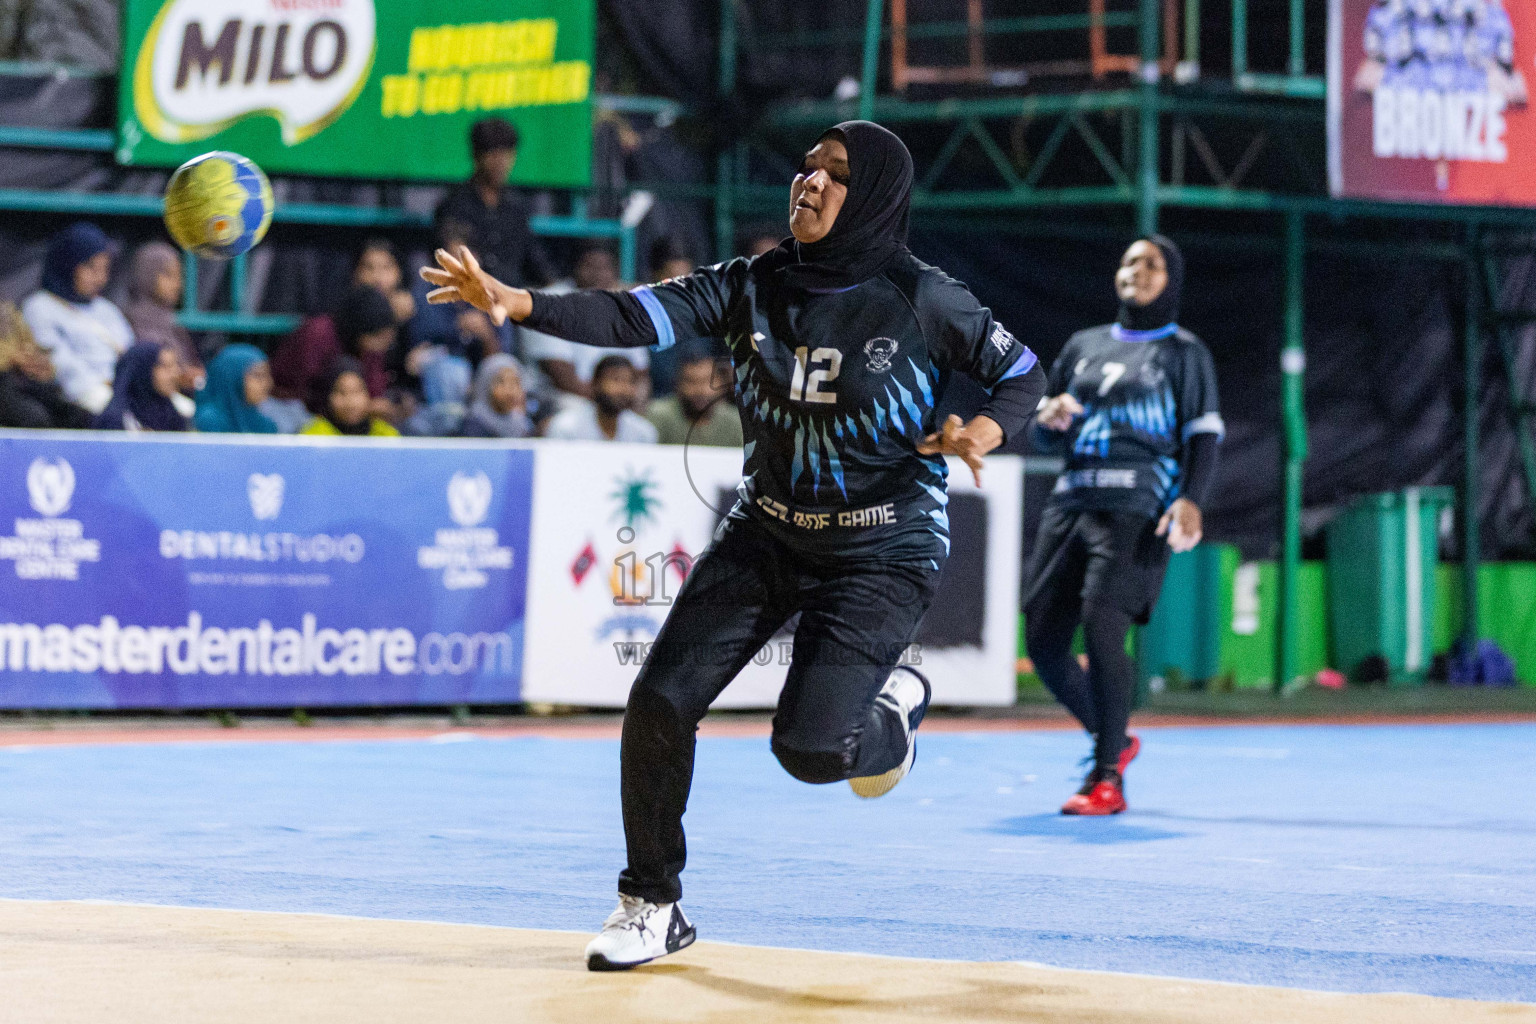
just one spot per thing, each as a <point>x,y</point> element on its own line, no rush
<point>880,352</point>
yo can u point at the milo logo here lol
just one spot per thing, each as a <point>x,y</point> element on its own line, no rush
<point>206,64</point>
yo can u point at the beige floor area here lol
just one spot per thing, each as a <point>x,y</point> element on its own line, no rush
<point>83,962</point>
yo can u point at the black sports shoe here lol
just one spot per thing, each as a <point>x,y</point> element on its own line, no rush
<point>908,693</point>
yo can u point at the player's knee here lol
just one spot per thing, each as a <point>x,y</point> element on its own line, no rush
<point>817,767</point>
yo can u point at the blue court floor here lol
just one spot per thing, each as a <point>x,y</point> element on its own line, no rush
<point>1357,858</point>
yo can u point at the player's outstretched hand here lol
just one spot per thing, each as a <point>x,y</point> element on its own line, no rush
<point>460,279</point>
<point>1182,525</point>
<point>1057,413</point>
<point>971,441</point>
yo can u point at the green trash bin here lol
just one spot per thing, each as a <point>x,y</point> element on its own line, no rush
<point>1184,633</point>
<point>1383,551</point>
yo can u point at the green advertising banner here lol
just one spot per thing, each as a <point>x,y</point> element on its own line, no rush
<point>364,88</point>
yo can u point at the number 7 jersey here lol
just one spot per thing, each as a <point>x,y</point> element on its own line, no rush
<point>1144,394</point>
<point>836,389</point>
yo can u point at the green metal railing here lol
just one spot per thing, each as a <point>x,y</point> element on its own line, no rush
<point>240,320</point>
<point>1145,193</point>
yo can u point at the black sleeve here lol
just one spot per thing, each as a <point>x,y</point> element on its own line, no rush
<point>695,305</point>
<point>1014,401</point>
<point>604,319</point>
<point>1200,466</point>
<point>1200,425</point>
<point>970,340</point>
<point>1199,409</point>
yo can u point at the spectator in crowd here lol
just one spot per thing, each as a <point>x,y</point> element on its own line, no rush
<point>760,245</point>
<point>699,411</point>
<point>500,405</point>
<point>566,366</point>
<point>345,406</point>
<point>609,416</point>
<point>154,295</point>
<point>82,332</point>
<point>378,266</point>
<point>239,382</point>
<point>669,261</point>
<point>490,215</point>
<point>148,375</point>
<point>29,395</point>
<point>364,327</point>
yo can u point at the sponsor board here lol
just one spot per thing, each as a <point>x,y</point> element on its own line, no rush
<point>1430,100</point>
<point>196,572</point>
<point>616,528</point>
<point>374,88</point>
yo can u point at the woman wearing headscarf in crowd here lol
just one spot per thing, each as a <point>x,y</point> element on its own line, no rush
<point>82,332</point>
<point>842,510</point>
<point>239,381</point>
<point>154,295</point>
<point>148,375</point>
<point>1133,408</point>
<point>500,405</point>
<point>29,395</point>
<point>363,326</point>
<point>341,394</point>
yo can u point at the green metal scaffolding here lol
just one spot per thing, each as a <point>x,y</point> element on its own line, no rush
<point>1279,97</point>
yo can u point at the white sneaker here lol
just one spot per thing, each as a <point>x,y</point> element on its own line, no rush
<point>638,932</point>
<point>907,693</point>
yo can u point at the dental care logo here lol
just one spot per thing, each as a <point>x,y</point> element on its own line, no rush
<point>266,493</point>
<point>49,548</point>
<point>466,554</point>
<point>206,64</point>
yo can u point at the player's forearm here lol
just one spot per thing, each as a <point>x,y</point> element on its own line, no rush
<point>1013,402</point>
<point>602,318</point>
<point>1199,466</point>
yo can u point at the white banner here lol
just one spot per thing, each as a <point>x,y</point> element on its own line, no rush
<point>613,526</point>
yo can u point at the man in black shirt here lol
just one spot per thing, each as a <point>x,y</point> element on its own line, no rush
<point>843,344</point>
<point>490,215</point>
<point>1133,403</point>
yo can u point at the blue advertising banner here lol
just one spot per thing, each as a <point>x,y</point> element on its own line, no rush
<point>296,572</point>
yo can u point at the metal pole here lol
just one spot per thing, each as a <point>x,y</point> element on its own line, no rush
<point>1192,32</point>
<point>1471,542</point>
<point>1298,63</point>
<point>1239,39</point>
<point>1293,364</point>
<point>1146,183</point>
<point>725,212</point>
<point>872,21</point>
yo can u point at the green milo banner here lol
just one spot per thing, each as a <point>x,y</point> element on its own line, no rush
<point>365,88</point>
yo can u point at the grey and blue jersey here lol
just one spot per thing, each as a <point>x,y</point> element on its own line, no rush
<point>1144,395</point>
<point>836,389</point>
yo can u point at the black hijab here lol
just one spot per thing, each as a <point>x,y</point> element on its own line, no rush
<point>871,228</point>
<point>1164,309</point>
<point>320,397</point>
<point>133,393</point>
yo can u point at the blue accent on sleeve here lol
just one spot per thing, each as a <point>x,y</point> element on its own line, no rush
<point>1021,366</point>
<point>665,336</point>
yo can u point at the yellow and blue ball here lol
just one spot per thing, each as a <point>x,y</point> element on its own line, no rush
<point>218,205</point>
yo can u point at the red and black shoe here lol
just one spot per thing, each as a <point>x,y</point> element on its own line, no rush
<point>1128,752</point>
<point>1102,793</point>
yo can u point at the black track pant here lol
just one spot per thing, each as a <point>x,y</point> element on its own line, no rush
<point>1103,570</point>
<point>855,623</point>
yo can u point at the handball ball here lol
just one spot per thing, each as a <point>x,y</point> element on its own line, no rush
<point>218,205</point>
